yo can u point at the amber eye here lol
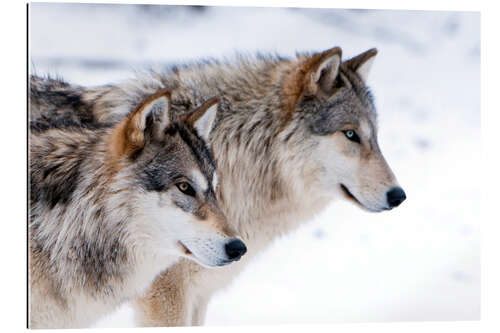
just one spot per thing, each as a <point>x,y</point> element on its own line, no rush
<point>185,188</point>
<point>351,135</point>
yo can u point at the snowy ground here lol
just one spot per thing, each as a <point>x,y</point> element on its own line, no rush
<point>418,262</point>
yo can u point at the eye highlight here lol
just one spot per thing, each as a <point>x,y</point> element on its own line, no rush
<point>352,135</point>
<point>185,188</point>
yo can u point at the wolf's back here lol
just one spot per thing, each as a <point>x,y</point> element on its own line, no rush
<point>243,84</point>
<point>56,103</point>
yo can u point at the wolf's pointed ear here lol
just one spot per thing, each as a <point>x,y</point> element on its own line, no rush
<point>203,118</point>
<point>314,75</point>
<point>325,70</point>
<point>152,117</point>
<point>361,64</point>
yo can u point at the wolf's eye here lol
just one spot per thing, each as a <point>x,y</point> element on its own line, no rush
<point>185,188</point>
<point>351,135</point>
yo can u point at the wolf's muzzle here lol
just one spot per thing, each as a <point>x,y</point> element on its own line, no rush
<point>235,249</point>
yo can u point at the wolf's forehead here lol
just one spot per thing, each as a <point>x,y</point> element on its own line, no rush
<point>197,149</point>
<point>204,172</point>
<point>360,107</point>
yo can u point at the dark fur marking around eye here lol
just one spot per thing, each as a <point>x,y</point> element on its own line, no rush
<point>153,179</point>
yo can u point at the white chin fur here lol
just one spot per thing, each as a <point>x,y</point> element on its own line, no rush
<point>371,205</point>
<point>207,253</point>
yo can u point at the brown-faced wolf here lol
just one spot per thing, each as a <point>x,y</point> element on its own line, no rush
<point>292,135</point>
<point>112,206</point>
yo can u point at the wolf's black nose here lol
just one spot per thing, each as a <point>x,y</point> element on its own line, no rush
<point>395,196</point>
<point>235,249</point>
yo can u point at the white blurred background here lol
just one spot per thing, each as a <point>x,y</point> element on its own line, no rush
<point>418,262</point>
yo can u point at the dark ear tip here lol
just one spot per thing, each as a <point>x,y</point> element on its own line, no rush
<point>335,50</point>
<point>165,92</point>
<point>373,51</point>
<point>215,100</point>
<point>210,102</point>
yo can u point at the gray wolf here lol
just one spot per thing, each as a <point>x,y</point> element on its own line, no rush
<point>111,206</point>
<point>292,135</point>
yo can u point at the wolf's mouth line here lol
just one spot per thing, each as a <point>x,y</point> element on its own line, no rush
<point>350,195</point>
<point>185,248</point>
<point>188,252</point>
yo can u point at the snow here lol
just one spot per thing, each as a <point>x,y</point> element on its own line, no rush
<point>418,262</point>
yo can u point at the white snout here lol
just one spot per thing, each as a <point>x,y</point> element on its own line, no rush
<point>214,251</point>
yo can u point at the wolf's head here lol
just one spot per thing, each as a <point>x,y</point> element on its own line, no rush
<point>331,100</point>
<point>173,177</point>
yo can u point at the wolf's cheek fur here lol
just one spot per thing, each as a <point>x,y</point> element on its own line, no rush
<point>172,229</point>
<point>338,159</point>
<point>155,221</point>
<point>364,174</point>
